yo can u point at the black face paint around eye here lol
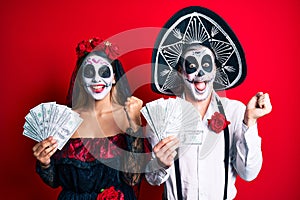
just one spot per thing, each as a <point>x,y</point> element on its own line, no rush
<point>104,72</point>
<point>89,71</point>
<point>190,64</point>
<point>206,63</point>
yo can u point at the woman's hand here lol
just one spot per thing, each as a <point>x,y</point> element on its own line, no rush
<point>44,150</point>
<point>133,105</point>
<point>165,150</point>
<point>258,106</point>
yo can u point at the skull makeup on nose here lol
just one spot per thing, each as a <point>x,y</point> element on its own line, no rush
<point>97,76</point>
<point>198,71</point>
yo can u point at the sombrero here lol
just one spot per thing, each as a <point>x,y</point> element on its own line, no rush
<point>196,25</point>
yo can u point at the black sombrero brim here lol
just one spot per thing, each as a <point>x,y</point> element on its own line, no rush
<point>197,25</point>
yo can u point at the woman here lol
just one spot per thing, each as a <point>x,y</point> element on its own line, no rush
<point>98,161</point>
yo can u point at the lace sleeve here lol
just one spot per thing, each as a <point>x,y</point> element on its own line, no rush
<point>48,175</point>
<point>134,159</point>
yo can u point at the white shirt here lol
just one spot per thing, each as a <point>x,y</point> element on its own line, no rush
<point>202,166</point>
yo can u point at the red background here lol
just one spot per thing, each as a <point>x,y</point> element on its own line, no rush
<point>37,58</point>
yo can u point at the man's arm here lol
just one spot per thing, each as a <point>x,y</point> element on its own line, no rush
<point>247,152</point>
<point>247,143</point>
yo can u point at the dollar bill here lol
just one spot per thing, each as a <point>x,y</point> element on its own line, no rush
<point>51,119</point>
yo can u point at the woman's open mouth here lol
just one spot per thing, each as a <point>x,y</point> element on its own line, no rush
<point>97,88</point>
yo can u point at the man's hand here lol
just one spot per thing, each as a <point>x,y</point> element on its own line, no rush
<point>165,150</point>
<point>258,106</point>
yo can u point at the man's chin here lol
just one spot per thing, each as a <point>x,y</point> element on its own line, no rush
<point>203,95</point>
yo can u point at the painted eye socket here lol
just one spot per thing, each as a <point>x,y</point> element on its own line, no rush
<point>104,72</point>
<point>89,71</point>
<point>206,63</point>
<point>191,64</point>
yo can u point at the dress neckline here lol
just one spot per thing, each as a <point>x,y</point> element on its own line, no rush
<point>94,138</point>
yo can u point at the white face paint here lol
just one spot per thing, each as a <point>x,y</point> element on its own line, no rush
<point>199,71</point>
<point>97,76</point>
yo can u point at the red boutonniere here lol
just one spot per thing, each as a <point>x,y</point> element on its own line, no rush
<point>217,123</point>
<point>110,194</point>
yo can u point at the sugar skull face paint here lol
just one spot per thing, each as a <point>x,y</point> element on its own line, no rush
<point>199,71</point>
<point>97,76</point>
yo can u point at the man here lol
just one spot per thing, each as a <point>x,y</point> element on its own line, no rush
<point>199,52</point>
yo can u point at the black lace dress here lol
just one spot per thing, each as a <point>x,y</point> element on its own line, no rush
<point>88,167</point>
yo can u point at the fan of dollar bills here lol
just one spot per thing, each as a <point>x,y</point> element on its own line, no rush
<point>174,116</point>
<point>51,119</point>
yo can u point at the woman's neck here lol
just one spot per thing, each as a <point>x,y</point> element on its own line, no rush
<point>104,105</point>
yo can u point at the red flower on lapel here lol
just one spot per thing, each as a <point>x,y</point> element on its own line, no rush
<point>217,123</point>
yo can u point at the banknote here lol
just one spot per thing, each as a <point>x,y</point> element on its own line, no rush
<point>174,116</point>
<point>51,119</point>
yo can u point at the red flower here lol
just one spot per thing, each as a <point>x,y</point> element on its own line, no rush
<point>86,46</point>
<point>83,47</point>
<point>217,123</point>
<point>110,194</point>
<point>95,42</point>
<point>111,50</point>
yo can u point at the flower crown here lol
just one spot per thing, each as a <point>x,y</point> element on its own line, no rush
<point>87,46</point>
